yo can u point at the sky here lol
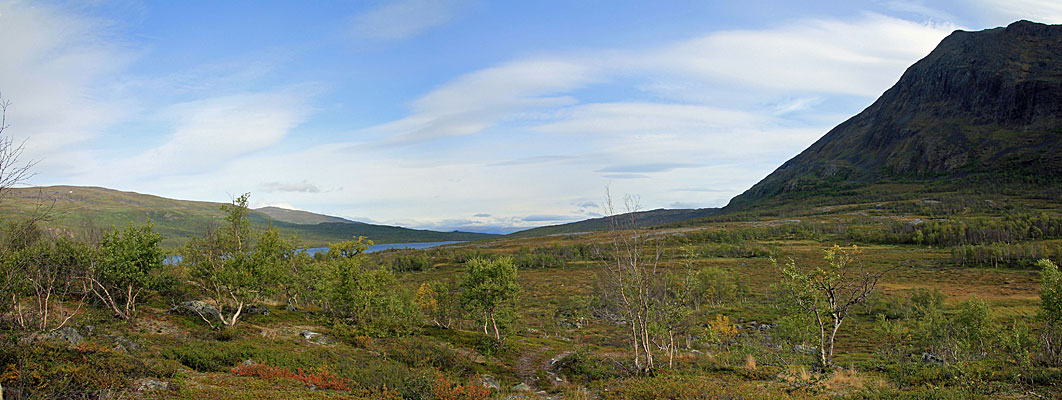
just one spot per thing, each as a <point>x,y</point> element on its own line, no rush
<point>476,115</point>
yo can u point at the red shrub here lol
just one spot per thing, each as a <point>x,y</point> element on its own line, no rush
<point>447,389</point>
<point>321,379</point>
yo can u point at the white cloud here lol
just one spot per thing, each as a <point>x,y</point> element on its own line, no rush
<point>1003,12</point>
<point>861,57</point>
<point>209,133</point>
<point>918,7</point>
<point>58,71</point>
<point>401,19</point>
<point>484,98</point>
<point>303,186</point>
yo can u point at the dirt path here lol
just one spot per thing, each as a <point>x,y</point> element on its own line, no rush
<point>530,363</point>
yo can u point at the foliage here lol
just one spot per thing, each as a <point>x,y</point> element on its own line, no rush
<point>721,329</point>
<point>128,263</point>
<point>449,389</point>
<point>49,370</point>
<point>52,269</point>
<point>227,265</point>
<point>489,288</point>
<point>418,261</point>
<point>828,293</point>
<point>364,301</point>
<point>716,286</point>
<point>318,379</point>
<point>1051,310</point>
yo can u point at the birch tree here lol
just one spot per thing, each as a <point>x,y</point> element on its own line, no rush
<point>828,293</point>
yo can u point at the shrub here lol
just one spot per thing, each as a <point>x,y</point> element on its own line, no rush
<point>321,378</point>
<point>449,389</point>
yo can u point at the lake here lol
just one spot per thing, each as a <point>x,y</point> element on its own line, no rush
<point>372,249</point>
<point>381,247</point>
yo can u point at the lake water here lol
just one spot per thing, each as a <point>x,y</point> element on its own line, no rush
<point>381,247</point>
<point>372,249</point>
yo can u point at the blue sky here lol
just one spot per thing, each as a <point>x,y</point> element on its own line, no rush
<point>465,114</point>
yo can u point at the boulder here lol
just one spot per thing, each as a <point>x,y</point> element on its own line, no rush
<point>931,359</point>
<point>489,382</point>
<point>521,387</point>
<point>196,307</point>
<point>69,334</point>
<point>151,385</point>
<point>256,309</point>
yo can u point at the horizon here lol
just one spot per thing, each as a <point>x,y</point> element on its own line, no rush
<point>452,115</point>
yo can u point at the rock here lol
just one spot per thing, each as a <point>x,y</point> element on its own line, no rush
<point>125,345</point>
<point>516,397</point>
<point>316,337</point>
<point>291,307</point>
<point>256,309</point>
<point>489,382</point>
<point>68,334</point>
<point>931,359</point>
<point>248,362</point>
<point>196,307</point>
<point>521,387</point>
<point>151,385</point>
<point>804,349</point>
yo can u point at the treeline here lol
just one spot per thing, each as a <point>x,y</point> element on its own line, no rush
<point>995,255</point>
<point>941,233</point>
<point>967,231</point>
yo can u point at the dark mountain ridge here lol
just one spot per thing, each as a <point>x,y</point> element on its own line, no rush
<point>986,102</point>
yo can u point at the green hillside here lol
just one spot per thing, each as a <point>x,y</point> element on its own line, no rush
<point>643,219</point>
<point>82,210</point>
<point>299,217</point>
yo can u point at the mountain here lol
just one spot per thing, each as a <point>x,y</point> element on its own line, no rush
<point>300,217</point>
<point>983,110</point>
<point>643,219</point>
<point>82,210</point>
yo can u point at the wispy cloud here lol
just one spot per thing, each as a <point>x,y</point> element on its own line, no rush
<point>625,176</point>
<point>644,168</point>
<point>531,160</point>
<point>402,19</point>
<point>58,71</point>
<point>304,187</point>
<point>210,133</point>
<point>858,57</point>
<point>1006,11</point>
<point>484,98</point>
<point>920,8</point>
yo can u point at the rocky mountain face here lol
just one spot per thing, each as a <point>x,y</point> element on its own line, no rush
<point>986,102</point>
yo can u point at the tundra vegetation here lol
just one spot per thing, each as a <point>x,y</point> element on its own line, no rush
<point>859,301</point>
<point>918,295</point>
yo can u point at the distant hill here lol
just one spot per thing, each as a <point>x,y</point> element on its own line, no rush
<point>983,111</point>
<point>78,210</point>
<point>300,217</point>
<point>643,219</point>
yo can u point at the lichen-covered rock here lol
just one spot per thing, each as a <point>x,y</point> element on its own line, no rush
<point>196,307</point>
<point>68,334</point>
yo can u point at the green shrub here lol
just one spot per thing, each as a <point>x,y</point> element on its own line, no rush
<point>585,366</point>
<point>47,370</point>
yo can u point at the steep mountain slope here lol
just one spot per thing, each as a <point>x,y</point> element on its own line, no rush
<point>80,210</point>
<point>299,217</point>
<point>983,107</point>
